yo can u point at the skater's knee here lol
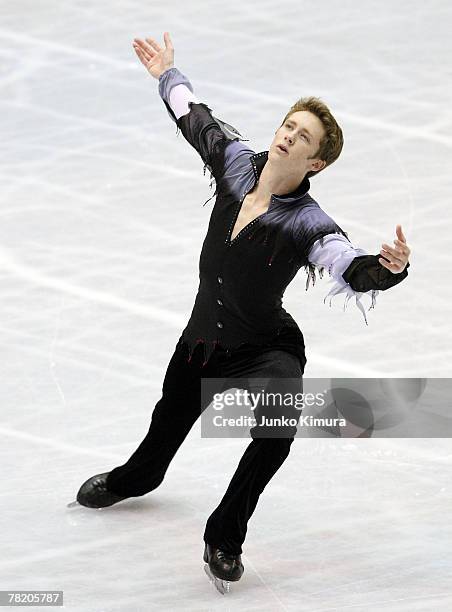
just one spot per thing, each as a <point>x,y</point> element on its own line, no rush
<point>281,439</point>
<point>282,364</point>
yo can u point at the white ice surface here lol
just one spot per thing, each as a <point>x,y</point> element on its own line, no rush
<point>101,224</point>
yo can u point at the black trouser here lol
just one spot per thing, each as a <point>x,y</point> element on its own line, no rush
<point>176,412</point>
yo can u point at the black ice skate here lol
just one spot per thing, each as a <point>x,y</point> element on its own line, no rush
<point>222,567</point>
<point>94,493</point>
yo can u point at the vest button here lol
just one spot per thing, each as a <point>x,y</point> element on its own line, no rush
<point>219,302</point>
<point>220,280</point>
<point>219,324</point>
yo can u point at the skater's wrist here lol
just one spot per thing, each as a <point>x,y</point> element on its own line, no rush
<point>163,71</point>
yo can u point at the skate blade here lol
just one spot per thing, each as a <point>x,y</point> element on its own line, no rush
<point>73,504</point>
<point>222,586</point>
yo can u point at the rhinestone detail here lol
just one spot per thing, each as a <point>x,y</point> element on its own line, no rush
<point>228,241</point>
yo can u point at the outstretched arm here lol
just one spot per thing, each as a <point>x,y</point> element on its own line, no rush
<point>206,133</point>
<point>356,272</point>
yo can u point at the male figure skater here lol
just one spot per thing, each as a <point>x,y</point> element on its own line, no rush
<point>264,226</point>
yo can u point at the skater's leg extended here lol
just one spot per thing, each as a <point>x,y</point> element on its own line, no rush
<point>172,418</point>
<point>227,526</point>
<point>174,415</point>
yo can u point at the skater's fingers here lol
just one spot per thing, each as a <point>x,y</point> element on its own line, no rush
<point>138,48</point>
<point>141,55</point>
<point>400,233</point>
<point>393,255</point>
<point>394,268</point>
<point>145,47</point>
<point>394,260</point>
<point>154,45</point>
<point>168,43</point>
<point>394,251</point>
<point>403,247</point>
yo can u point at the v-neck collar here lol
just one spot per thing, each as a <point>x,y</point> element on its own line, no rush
<point>259,160</point>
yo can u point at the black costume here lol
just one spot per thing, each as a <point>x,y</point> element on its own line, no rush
<point>238,326</point>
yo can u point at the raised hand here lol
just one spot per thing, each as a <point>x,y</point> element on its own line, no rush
<point>397,257</point>
<point>155,58</point>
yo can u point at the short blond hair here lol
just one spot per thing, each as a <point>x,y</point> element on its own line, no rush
<point>331,143</point>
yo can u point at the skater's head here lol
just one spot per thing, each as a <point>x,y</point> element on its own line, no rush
<point>311,135</point>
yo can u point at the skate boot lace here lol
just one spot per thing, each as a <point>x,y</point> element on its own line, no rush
<point>222,556</point>
<point>99,484</point>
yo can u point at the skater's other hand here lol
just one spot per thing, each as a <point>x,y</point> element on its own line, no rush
<point>155,58</point>
<point>397,257</point>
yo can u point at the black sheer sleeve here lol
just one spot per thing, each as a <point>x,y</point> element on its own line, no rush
<point>365,273</point>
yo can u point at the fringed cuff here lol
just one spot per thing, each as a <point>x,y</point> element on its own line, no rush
<point>335,253</point>
<point>340,286</point>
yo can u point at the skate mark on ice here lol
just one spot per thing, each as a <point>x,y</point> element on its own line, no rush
<point>248,562</point>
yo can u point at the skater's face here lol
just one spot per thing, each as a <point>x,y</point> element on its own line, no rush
<point>301,134</point>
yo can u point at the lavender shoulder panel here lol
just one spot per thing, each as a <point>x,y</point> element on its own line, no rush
<point>312,224</point>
